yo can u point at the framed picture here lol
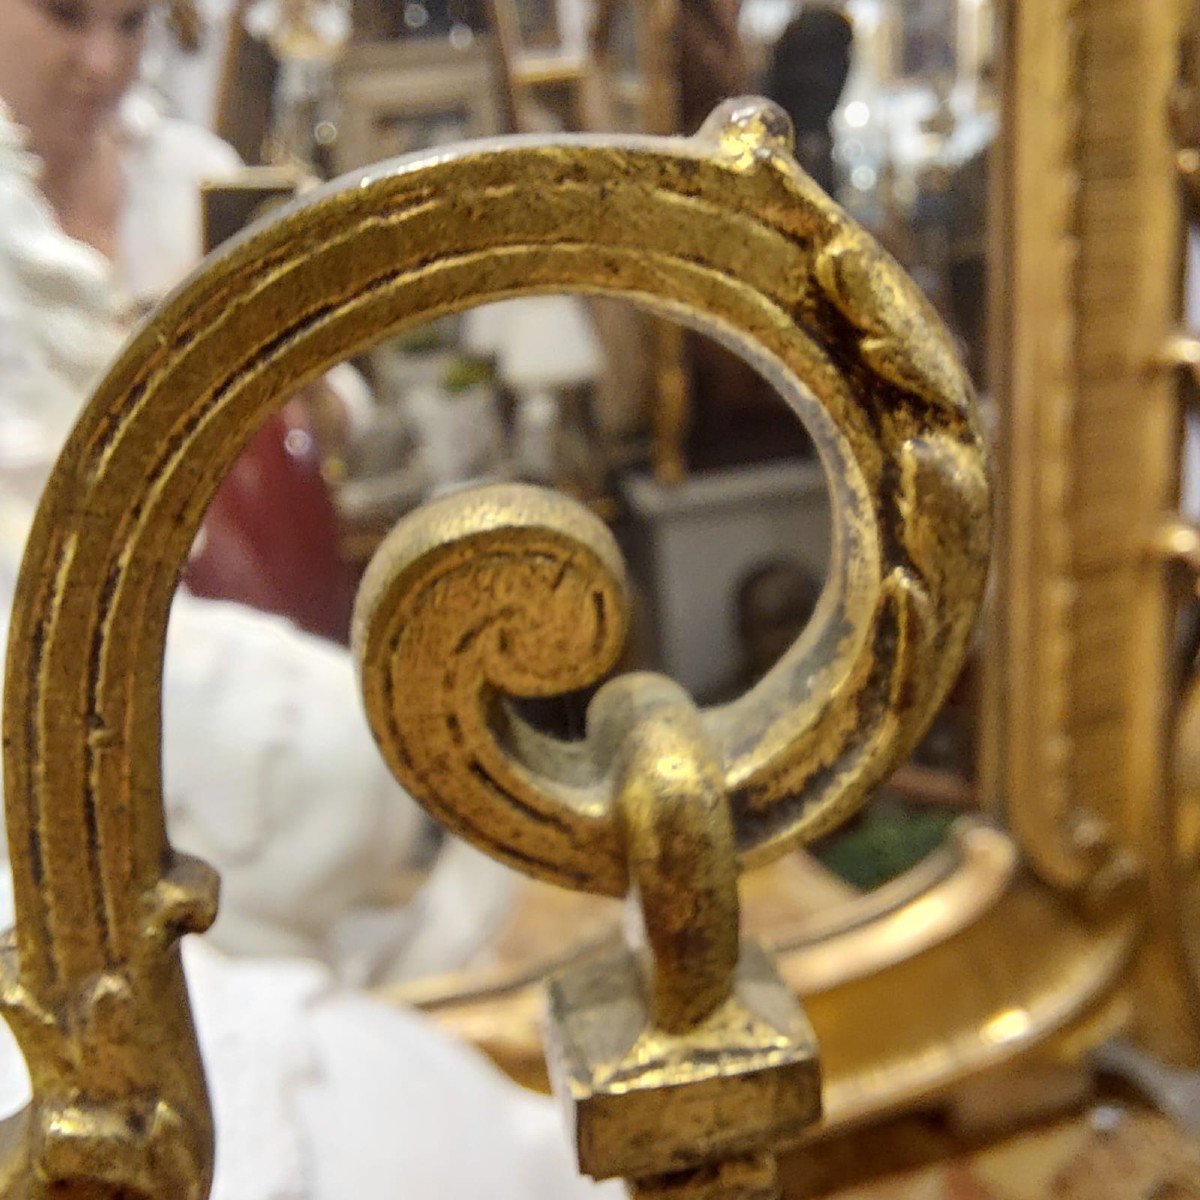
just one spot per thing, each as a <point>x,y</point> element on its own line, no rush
<point>228,206</point>
<point>398,97</point>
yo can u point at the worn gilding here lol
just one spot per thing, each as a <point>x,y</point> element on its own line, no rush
<point>744,245</point>
<point>723,231</point>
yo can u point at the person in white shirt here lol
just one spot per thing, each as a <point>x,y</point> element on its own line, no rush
<point>270,772</point>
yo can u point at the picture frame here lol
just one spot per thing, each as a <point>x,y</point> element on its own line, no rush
<point>399,97</point>
<point>228,206</point>
<point>245,89</point>
<point>916,41</point>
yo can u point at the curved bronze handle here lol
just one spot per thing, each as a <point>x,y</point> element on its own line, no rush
<point>468,593</point>
<point>722,230</point>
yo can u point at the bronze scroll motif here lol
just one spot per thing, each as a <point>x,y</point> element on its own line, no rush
<point>479,595</point>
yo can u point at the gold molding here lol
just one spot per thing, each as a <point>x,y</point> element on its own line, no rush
<point>1084,298</point>
<point>1027,741</point>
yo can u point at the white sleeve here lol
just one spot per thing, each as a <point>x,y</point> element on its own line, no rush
<point>271,774</point>
<point>161,234</point>
<point>355,394</point>
<point>322,1094</point>
<point>59,327</point>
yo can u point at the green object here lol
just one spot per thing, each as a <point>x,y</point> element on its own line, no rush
<point>886,843</point>
<point>421,339</point>
<point>463,374</point>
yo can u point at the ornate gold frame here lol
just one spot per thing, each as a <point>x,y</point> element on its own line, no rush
<point>508,591</point>
<point>1078,688</point>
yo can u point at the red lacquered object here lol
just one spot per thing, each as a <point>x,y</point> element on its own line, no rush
<point>270,537</point>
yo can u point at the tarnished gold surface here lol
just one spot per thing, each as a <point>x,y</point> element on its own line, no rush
<point>677,1064</point>
<point>722,230</point>
<point>806,295</point>
<point>500,590</point>
<point>678,839</point>
<point>643,1101</point>
<point>963,965</point>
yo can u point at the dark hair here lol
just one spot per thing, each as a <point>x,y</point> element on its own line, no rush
<point>810,63</point>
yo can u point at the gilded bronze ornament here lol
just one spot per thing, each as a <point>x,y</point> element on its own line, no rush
<point>483,595</point>
<point>1035,940</point>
